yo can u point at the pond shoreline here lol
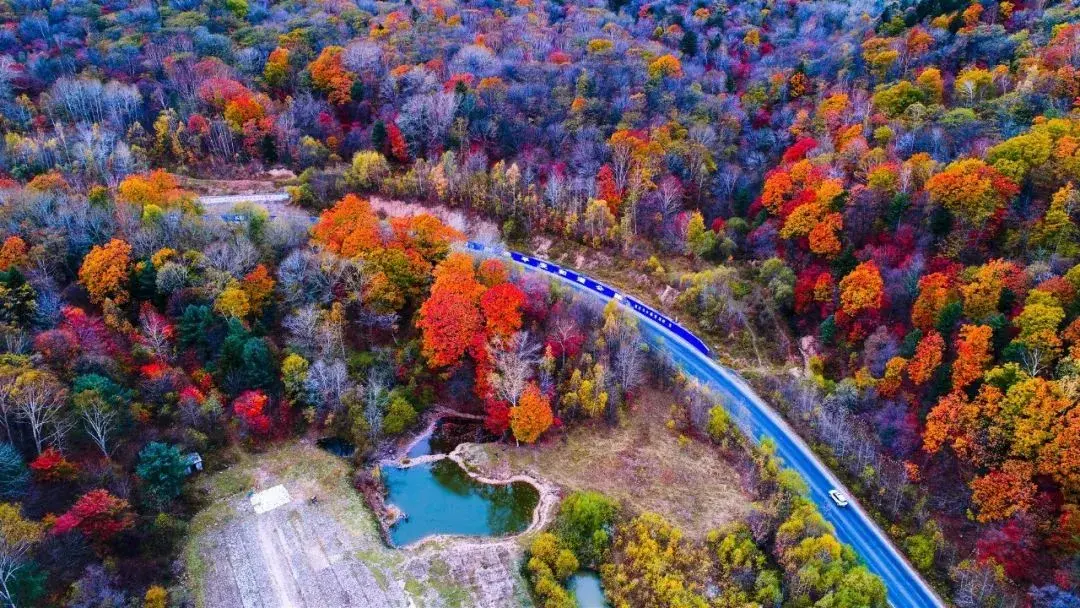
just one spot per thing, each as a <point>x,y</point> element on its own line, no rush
<point>387,514</point>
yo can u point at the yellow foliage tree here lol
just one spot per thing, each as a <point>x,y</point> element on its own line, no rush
<point>158,187</point>
<point>156,597</point>
<point>233,302</point>
<point>664,66</point>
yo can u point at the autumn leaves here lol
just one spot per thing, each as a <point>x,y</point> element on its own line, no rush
<point>473,311</point>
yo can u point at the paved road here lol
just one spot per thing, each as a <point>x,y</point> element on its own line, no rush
<point>853,525</point>
<point>276,205</point>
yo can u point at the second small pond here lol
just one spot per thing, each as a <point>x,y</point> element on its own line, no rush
<point>586,589</point>
<point>441,498</point>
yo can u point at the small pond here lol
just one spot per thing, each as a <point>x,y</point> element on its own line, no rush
<point>440,498</point>
<point>337,446</point>
<point>586,589</point>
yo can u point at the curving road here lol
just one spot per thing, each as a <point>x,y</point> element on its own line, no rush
<point>853,525</point>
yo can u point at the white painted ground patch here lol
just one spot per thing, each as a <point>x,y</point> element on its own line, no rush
<point>268,500</point>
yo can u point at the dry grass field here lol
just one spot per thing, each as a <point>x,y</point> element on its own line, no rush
<point>640,463</point>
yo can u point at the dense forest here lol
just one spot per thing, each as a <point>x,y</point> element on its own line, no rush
<point>879,195</point>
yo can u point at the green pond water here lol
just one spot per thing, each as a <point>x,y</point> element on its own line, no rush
<point>586,589</point>
<point>440,498</point>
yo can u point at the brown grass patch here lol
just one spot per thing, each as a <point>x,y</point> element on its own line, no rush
<point>640,463</point>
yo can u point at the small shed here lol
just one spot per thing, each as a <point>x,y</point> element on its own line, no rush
<point>194,462</point>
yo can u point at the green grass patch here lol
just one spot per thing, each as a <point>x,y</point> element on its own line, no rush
<point>415,591</point>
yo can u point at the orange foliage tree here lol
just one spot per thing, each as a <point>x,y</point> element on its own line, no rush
<point>893,378</point>
<point>350,228</point>
<point>104,272</point>
<point>13,252</point>
<point>953,421</point>
<point>258,285</point>
<point>971,189</point>
<point>241,109</point>
<point>972,355</point>
<point>457,272</point>
<point>532,415</point>
<point>328,74</point>
<point>935,291</point>
<point>492,272</point>
<point>778,186</point>
<point>1001,493</point>
<point>823,239</point>
<point>159,187</point>
<point>862,289</point>
<point>1060,457</point>
<point>424,234</point>
<point>969,426</point>
<point>399,255</point>
<point>928,355</point>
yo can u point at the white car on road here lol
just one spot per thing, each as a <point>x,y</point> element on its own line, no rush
<point>838,498</point>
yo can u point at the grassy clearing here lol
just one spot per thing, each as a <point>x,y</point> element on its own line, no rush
<point>641,463</point>
<point>306,470</point>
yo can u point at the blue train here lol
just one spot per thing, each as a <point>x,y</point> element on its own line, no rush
<point>603,290</point>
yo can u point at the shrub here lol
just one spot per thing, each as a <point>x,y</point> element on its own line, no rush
<point>399,416</point>
<point>719,424</point>
<point>565,564</point>
<point>584,525</point>
<point>367,171</point>
<point>163,469</point>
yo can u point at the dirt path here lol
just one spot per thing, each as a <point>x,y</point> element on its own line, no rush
<point>284,584</point>
<point>276,205</point>
<point>473,226</point>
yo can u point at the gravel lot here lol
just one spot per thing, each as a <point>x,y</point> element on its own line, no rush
<point>330,554</point>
